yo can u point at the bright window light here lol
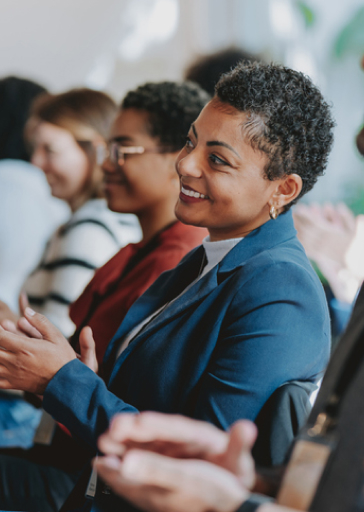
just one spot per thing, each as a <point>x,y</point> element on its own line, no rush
<point>282,18</point>
<point>149,22</point>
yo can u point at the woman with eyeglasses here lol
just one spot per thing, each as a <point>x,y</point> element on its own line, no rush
<point>67,133</point>
<point>140,178</point>
<point>242,314</point>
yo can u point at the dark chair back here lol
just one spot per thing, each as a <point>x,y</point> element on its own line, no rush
<point>280,420</point>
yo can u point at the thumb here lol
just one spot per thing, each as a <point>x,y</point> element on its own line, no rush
<point>88,349</point>
<point>23,302</point>
<point>48,331</point>
<point>239,459</point>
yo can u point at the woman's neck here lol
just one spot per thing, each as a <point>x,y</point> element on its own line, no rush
<point>77,202</point>
<point>154,221</point>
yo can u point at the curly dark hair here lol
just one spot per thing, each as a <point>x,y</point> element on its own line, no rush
<point>172,108</point>
<point>288,119</point>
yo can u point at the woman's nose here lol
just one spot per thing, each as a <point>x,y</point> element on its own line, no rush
<point>108,166</point>
<point>189,165</point>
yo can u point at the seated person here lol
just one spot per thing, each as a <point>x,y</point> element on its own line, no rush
<point>334,239</point>
<point>216,336</point>
<point>139,178</point>
<point>28,211</point>
<point>160,462</point>
<point>154,119</point>
<point>66,132</point>
<point>214,471</point>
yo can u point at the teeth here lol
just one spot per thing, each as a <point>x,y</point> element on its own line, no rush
<point>192,193</point>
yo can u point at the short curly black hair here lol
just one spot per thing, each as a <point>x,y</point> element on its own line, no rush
<point>287,118</point>
<point>172,108</point>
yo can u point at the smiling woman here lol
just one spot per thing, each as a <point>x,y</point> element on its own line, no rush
<point>66,133</point>
<point>222,177</point>
<point>239,316</point>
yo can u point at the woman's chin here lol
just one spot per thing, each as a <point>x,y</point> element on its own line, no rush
<point>186,218</point>
<point>58,194</point>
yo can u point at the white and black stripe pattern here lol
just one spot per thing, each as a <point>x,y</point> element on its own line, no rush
<point>91,237</point>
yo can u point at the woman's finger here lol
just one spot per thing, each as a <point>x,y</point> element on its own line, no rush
<point>169,434</point>
<point>26,328</point>
<point>11,342</point>
<point>88,349</point>
<point>9,326</point>
<point>238,458</point>
<point>154,482</point>
<point>47,330</point>
<point>23,302</point>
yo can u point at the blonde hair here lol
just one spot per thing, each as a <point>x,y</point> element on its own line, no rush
<point>87,115</point>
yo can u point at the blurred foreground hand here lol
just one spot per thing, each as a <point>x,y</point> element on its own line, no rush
<point>163,462</point>
<point>334,239</point>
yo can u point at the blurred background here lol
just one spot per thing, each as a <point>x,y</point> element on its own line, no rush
<point>114,45</point>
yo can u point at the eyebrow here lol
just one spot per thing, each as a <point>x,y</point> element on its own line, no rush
<point>215,142</point>
<point>223,144</point>
<point>121,138</point>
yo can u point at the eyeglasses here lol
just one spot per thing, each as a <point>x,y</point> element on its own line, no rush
<point>115,152</point>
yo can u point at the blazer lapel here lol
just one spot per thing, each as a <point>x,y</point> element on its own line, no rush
<point>196,293</point>
<point>268,235</point>
<point>173,283</point>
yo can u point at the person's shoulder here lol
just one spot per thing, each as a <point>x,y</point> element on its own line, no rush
<point>24,189</point>
<point>91,209</point>
<point>20,166</point>
<point>282,272</point>
<point>24,176</point>
<point>287,263</point>
<point>95,214</point>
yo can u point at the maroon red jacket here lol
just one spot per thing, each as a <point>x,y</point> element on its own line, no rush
<point>115,286</point>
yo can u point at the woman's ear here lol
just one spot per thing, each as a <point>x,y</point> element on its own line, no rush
<point>288,188</point>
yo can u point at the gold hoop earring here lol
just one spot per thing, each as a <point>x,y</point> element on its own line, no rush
<point>273,213</point>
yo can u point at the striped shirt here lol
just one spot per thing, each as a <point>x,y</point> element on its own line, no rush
<point>90,238</point>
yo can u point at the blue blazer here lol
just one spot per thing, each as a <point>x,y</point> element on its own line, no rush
<point>255,321</point>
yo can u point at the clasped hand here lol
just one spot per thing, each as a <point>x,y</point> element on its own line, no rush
<point>28,363</point>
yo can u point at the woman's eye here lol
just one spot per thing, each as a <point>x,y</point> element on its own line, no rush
<point>216,160</point>
<point>50,151</point>
<point>188,143</point>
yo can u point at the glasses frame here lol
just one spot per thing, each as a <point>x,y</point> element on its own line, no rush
<point>115,151</point>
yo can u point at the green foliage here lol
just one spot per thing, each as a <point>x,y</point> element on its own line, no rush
<point>351,37</point>
<point>355,199</point>
<point>322,278</point>
<point>307,13</point>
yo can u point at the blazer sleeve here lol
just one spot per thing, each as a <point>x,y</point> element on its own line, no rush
<point>80,400</point>
<point>271,334</point>
<point>265,341</point>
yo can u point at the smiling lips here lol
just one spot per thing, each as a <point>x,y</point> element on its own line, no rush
<point>192,193</point>
<point>115,180</point>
